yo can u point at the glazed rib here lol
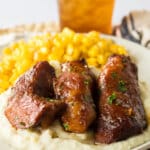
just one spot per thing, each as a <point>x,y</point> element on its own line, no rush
<point>74,86</point>
<point>121,113</point>
<point>31,101</point>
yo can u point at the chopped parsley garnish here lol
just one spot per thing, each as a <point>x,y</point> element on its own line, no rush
<point>117,103</point>
<point>49,99</point>
<point>83,73</point>
<point>122,86</point>
<point>71,68</point>
<point>61,87</point>
<point>72,103</point>
<point>66,126</point>
<point>124,60</point>
<point>112,98</point>
<point>86,82</point>
<point>87,97</point>
<point>114,75</point>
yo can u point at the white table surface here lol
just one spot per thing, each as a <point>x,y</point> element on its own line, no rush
<point>13,12</point>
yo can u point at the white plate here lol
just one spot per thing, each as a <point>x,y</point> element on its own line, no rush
<point>141,54</point>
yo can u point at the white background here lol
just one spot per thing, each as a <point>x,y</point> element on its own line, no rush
<point>13,12</point>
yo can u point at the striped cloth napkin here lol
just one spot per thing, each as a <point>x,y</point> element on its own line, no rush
<point>135,27</point>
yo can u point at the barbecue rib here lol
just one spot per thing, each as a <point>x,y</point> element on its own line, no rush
<point>74,86</point>
<point>121,113</point>
<point>31,100</point>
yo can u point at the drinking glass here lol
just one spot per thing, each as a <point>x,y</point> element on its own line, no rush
<point>86,15</point>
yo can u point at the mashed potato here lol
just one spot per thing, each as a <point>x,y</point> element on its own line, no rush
<point>22,55</point>
<point>55,138</point>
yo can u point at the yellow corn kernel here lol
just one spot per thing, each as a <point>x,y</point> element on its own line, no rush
<point>94,35</point>
<point>102,45</point>
<point>113,48</point>
<point>57,51</point>
<point>92,62</point>
<point>76,54</point>
<point>100,59</point>
<point>57,43</point>
<point>77,39</point>
<point>67,58</point>
<point>7,51</point>
<point>68,32</point>
<point>121,50</point>
<point>4,84</point>
<point>93,51</point>
<point>44,50</point>
<point>13,78</point>
<point>52,57</point>
<point>87,42</point>
<point>69,50</point>
<point>64,46</point>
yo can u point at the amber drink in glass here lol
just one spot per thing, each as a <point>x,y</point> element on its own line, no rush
<point>86,15</point>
